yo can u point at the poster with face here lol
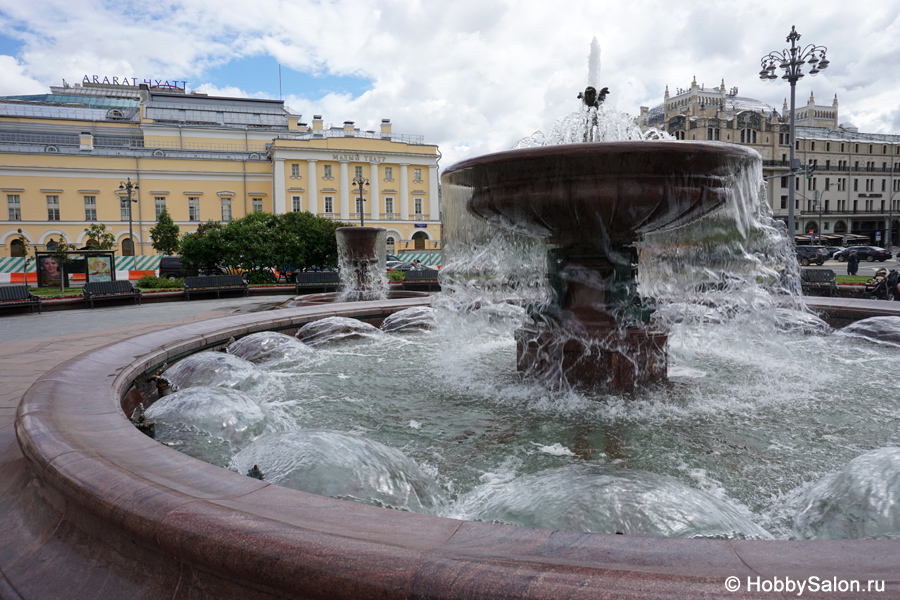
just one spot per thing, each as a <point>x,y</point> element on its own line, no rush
<point>99,268</point>
<point>49,271</point>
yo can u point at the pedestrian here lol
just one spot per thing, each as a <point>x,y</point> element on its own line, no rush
<point>852,263</point>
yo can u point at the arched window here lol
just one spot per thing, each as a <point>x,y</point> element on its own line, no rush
<point>420,238</point>
<point>390,244</point>
<point>127,247</point>
<point>17,248</point>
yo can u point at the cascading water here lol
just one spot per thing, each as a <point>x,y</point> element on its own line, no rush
<point>770,423</point>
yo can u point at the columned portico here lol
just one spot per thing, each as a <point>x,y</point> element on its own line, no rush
<point>375,196</point>
<point>279,197</point>
<point>433,202</point>
<point>404,191</point>
<point>313,187</point>
<point>345,190</point>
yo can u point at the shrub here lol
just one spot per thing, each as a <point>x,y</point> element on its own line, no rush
<point>151,282</point>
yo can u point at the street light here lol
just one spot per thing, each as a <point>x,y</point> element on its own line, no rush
<point>361,181</point>
<point>129,190</point>
<point>791,60</point>
<point>888,241</point>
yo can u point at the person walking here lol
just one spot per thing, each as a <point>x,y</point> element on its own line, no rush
<point>852,263</point>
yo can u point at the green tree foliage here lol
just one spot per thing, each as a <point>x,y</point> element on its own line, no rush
<point>99,237</point>
<point>165,234</point>
<point>203,248</point>
<point>261,242</point>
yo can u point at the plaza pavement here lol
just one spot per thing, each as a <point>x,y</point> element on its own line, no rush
<point>31,344</point>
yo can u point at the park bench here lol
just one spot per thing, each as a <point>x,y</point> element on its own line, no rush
<point>818,282</point>
<point>424,280</point>
<point>317,281</point>
<point>214,284</point>
<point>110,290</point>
<point>18,295</point>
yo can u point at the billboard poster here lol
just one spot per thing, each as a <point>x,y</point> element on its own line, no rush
<point>99,268</point>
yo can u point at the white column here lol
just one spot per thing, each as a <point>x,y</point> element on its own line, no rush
<point>404,192</point>
<point>312,188</point>
<point>345,190</point>
<point>279,202</point>
<point>374,194</point>
<point>433,205</point>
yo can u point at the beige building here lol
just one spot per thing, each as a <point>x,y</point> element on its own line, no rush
<point>855,185</point>
<point>64,156</point>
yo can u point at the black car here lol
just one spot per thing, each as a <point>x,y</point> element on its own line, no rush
<point>170,268</point>
<point>867,253</point>
<point>811,254</point>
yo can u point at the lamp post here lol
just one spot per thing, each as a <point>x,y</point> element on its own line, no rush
<point>361,181</point>
<point>888,238</point>
<point>129,191</point>
<point>791,61</point>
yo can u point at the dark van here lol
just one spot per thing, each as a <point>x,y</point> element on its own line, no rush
<point>170,268</point>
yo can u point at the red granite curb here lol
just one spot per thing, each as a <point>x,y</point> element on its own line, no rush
<point>98,510</point>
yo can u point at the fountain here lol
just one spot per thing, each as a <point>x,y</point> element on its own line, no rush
<point>100,510</point>
<point>592,202</point>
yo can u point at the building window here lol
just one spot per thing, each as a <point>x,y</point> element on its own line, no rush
<point>90,208</point>
<point>15,207</point>
<point>812,145</point>
<point>159,202</point>
<point>257,205</point>
<point>417,175</point>
<point>328,205</point>
<point>296,201</point>
<point>359,205</point>
<point>784,181</point>
<point>124,208</point>
<point>357,172</point>
<point>226,210</point>
<point>327,172</point>
<point>388,173</point>
<point>389,207</point>
<point>295,170</point>
<point>784,200</point>
<point>712,133</point>
<point>417,203</point>
<point>856,185</point>
<point>193,208</point>
<point>748,136</point>
<point>53,208</point>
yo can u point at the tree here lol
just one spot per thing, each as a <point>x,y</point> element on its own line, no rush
<point>203,248</point>
<point>311,240</point>
<point>165,234</point>
<point>98,237</point>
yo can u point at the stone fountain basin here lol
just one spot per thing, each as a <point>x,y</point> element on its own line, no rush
<point>578,193</point>
<point>98,510</point>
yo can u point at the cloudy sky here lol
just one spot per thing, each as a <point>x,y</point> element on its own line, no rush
<point>472,76</point>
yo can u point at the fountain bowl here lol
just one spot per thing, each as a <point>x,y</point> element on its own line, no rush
<point>92,508</point>
<point>588,194</point>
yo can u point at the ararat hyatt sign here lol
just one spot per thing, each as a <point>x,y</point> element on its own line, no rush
<point>174,84</point>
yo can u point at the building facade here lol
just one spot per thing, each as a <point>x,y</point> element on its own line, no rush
<point>65,155</point>
<point>851,194</point>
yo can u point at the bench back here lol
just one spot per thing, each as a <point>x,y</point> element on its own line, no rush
<point>214,281</point>
<point>120,286</point>
<point>817,275</point>
<point>15,292</point>
<point>423,275</point>
<point>319,278</point>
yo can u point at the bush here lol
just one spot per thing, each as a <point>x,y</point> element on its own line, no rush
<point>396,275</point>
<point>151,282</point>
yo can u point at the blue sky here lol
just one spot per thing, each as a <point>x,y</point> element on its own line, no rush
<point>472,76</point>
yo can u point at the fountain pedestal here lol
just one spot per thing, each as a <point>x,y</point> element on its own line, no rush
<point>591,202</point>
<point>362,256</point>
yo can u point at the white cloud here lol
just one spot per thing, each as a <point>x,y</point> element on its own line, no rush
<point>472,76</point>
<point>15,82</point>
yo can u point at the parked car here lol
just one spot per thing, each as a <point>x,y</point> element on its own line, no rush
<point>170,268</point>
<point>832,250</point>
<point>811,254</point>
<point>867,253</point>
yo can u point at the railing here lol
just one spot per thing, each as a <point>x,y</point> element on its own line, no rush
<point>339,133</point>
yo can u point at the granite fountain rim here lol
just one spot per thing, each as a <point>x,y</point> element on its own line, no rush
<point>250,535</point>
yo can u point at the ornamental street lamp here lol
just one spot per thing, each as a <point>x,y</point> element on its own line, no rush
<point>361,181</point>
<point>791,60</point>
<point>129,190</point>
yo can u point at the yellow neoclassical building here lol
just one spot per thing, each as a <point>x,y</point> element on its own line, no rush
<point>64,157</point>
